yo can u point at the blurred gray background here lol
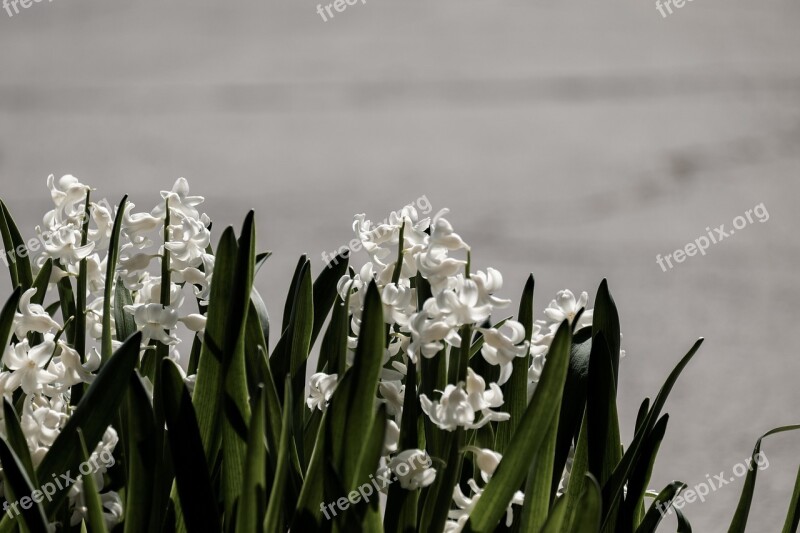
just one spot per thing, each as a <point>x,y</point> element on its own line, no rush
<point>575,141</point>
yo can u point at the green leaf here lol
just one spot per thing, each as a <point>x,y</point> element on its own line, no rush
<point>632,511</point>
<point>19,487</point>
<point>93,415</point>
<point>236,402</point>
<point>577,478</point>
<point>9,254</point>
<point>24,276</point>
<point>539,483</point>
<point>554,522</point>
<point>660,507</point>
<point>793,516</point>
<point>66,298</point>
<point>251,508</point>
<point>302,263</point>
<point>573,404</point>
<point>260,310</point>
<point>601,409</point>
<point>111,270</point>
<point>353,403</point>
<point>275,518</point>
<point>325,293</point>
<point>217,339</point>
<point>528,439</point>
<point>308,515</point>
<point>140,455</point>
<point>605,320</point>
<point>192,479</point>
<point>333,350</point>
<point>612,490</point>
<point>7,317</point>
<point>368,513</point>
<point>16,440</point>
<point>746,499</point>
<point>123,321</point>
<point>515,390</point>
<point>96,522</point>
<point>402,504</point>
<point>683,524</point>
<point>591,506</point>
<point>42,281</point>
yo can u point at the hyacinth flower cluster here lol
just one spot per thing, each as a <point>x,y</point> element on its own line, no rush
<point>403,252</point>
<point>402,394</point>
<point>55,351</point>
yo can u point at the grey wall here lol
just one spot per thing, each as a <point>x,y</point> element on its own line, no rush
<point>575,141</point>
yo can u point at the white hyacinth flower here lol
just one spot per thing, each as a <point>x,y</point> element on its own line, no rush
<point>321,388</point>
<point>393,392</point>
<point>459,405</point>
<point>391,437</point>
<point>413,469</point>
<point>501,346</point>
<point>464,506</point>
<point>32,317</point>
<point>565,307</point>
<point>155,321</point>
<point>68,195</point>
<point>180,202</point>
<point>28,365</point>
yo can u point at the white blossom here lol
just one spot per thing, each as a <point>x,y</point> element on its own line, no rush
<point>413,469</point>
<point>321,388</point>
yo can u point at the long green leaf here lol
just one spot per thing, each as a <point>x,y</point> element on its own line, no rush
<point>573,404</point>
<point>16,440</point>
<point>746,499</point>
<point>42,281</point>
<point>20,491</point>
<point>612,490</point>
<point>192,479</point>
<point>591,506</point>
<point>95,521</point>
<point>528,439</point>
<point>601,410</point>
<point>93,415</point>
<point>111,271</point>
<point>140,455</point>
<point>515,390</point>
<point>793,516</point>
<point>208,391</point>
<point>252,506</point>
<point>275,518</point>
<point>325,291</point>
<point>539,484</point>
<point>7,317</point>
<point>632,512</point>
<point>20,247</point>
<point>660,507</point>
<point>236,402</point>
<point>577,478</point>
<point>605,320</point>
<point>124,322</point>
<point>353,403</point>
